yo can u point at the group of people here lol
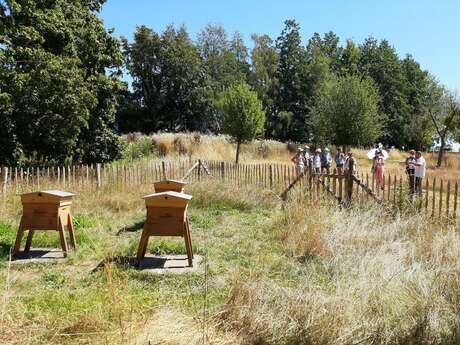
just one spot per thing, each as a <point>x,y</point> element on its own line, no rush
<point>321,161</point>
<point>415,170</point>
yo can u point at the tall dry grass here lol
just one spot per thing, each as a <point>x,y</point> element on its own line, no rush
<point>211,147</point>
<point>220,147</point>
<point>362,278</point>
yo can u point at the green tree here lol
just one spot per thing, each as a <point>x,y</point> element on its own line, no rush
<point>168,86</point>
<point>222,59</point>
<point>61,101</point>
<point>443,108</point>
<point>263,79</point>
<point>347,112</point>
<point>417,88</point>
<point>349,59</point>
<point>380,62</point>
<point>291,75</point>
<point>241,114</point>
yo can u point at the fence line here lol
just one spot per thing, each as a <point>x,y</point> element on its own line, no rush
<point>437,197</point>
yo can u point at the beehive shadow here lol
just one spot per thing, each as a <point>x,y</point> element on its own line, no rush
<point>152,263</point>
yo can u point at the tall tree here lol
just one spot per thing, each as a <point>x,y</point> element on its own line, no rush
<point>380,62</point>
<point>291,74</point>
<point>169,88</point>
<point>221,60</point>
<point>241,52</point>
<point>347,112</point>
<point>443,108</point>
<point>263,77</point>
<point>242,115</point>
<point>326,46</point>
<point>349,59</point>
<point>61,102</point>
<point>417,87</point>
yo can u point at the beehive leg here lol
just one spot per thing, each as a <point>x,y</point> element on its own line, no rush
<point>73,240</point>
<point>62,238</point>
<point>188,245</point>
<point>143,244</point>
<point>17,243</point>
<point>189,235</point>
<point>29,241</point>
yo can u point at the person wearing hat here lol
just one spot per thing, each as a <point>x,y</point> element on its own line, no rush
<point>410,171</point>
<point>306,154</point>
<point>316,161</point>
<point>326,160</point>
<point>299,161</point>
<point>378,164</point>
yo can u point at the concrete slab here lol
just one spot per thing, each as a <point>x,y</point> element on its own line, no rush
<point>177,264</point>
<point>40,255</point>
<point>156,264</point>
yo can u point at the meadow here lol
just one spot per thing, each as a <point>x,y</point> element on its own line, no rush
<point>221,148</point>
<point>300,272</point>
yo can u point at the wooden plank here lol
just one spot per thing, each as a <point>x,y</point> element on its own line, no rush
<point>440,197</point>
<point>427,191</point>
<point>433,207</point>
<point>394,191</point>
<point>448,199</point>
<point>341,178</point>
<point>400,194</point>
<point>190,171</point>
<point>455,199</point>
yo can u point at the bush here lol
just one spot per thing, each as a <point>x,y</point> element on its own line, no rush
<point>136,147</point>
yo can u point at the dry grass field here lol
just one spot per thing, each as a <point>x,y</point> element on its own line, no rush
<point>299,272</point>
<point>220,148</point>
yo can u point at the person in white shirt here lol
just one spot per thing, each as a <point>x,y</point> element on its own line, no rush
<point>316,162</point>
<point>420,171</point>
<point>299,161</point>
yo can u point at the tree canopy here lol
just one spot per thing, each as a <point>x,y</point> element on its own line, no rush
<point>57,99</point>
<point>242,116</point>
<point>347,112</point>
<point>61,97</point>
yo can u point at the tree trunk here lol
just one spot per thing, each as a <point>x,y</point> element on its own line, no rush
<point>441,152</point>
<point>238,144</point>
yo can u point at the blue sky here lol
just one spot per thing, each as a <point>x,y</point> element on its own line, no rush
<point>427,29</point>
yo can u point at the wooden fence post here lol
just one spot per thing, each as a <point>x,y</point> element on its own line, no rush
<point>199,170</point>
<point>270,175</point>
<point>5,180</point>
<point>163,169</point>
<point>222,170</point>
<point>98,176</point>
<point>455,199</point>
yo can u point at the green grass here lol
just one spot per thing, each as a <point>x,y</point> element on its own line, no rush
<point>74,296</point>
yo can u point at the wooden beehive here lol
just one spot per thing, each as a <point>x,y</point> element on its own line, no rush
<point>46,210</point>
<point>166,216</point>
<point>169,185</point>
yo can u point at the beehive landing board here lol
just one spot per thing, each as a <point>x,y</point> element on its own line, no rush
<point>40,255</point>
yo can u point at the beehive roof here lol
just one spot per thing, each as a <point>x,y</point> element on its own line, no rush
<point>46,196</point>
<point>54,193</point>
<point>175,181</point>
<point>59,193</point>
<point>169,194</point>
